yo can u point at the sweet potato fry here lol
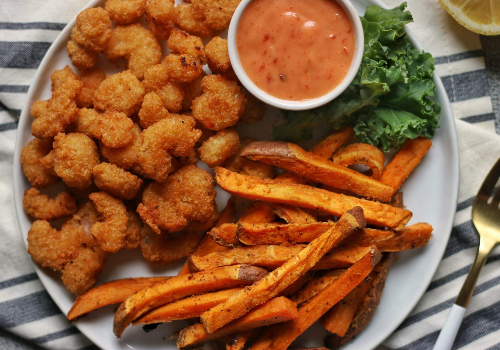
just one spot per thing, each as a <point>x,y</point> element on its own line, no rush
<point>186,308</point>
<point>240,340</point>
<point>309,197</point>
<point>292,214</point>
<point>109,293</point>
<point>292,158</point>
<point>330,144</point>
<point>271,285</point>
<point>258,212</point>
<point>225,235</point>
<point>179,287</point>
<point>279,337</point>
<point>276,310</point>
<point>361,153</point>
<point>404,161</point>
<point>411,237</point>
<point>295,286</point>
<point>315,286</point>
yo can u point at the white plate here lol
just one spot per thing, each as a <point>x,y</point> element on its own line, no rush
<point>430,193</point>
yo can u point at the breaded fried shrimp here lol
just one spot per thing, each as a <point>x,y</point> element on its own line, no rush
<point>160,15</point>
<point>217,55</point>
<point>42,207</point>
<point>128,156</point>
<point>137,45</point>
<point>172,96</point>
<point>182,43</point>
<point>191,91</point>
<point>35,168</point>
<point>254,109</point>
<point>186,21</point>
<point>65,80</point>
<point>121,92</point>
<point>80,56</point>
<point>220,147</point>
<point>187,195</point>
<point>163,249</point>
<point>111,229</point>
<point>116,181</point>
<point>183,68</point>
<point>74,158</point>
<point>152,110</point>
<point>92,29</point>
<point>125,11</point>
<point>134,228</point>
<point>156,79</point>
<point>217,13</point>
<point>221,104</point>
<point>90,79</point>
<point>80,274</point>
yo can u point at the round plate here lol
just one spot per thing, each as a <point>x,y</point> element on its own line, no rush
<point>430,193</point>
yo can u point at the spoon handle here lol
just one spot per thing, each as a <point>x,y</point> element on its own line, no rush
<point>450,329</point>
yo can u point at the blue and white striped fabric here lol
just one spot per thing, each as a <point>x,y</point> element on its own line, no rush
<point>27,29</point>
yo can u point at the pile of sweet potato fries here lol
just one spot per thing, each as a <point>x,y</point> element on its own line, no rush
<point>261,282</point>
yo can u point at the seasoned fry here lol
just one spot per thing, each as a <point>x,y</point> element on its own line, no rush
<point>330,144</point>
<point>403,162</point>
<point>109,293</point>
<point>315,286</point>
<point>276,310</point>
<point>186,308</point>
<point>179,287</point>
<point>281,336</point>
<point>361,153</point>
<point>295,286</point>
<point>238,343</point>
<point>292,214</point>
<point>309,197</point>
<point>258,212</point>
<point>271,285</point>
<point>292,158</point>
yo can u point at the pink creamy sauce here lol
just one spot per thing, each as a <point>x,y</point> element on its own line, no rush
<point>295,49</point>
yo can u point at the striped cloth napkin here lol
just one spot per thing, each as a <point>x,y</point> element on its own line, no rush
<point>30,320</point>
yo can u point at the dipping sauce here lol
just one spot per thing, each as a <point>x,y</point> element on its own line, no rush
<point>295,49</point>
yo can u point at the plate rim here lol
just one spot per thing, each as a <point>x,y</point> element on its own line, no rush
<point>400,317</point>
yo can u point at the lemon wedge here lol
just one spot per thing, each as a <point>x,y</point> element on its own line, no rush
<point>479,16</point>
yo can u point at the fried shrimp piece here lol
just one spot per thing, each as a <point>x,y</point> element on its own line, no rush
<point>125,11</point>
<point>116,181</point>
<point>42,207</point>
<point>112,128</point>
<point>181,42</point>
<point>186,21</point>
<point>121,92</point>
<point>163,249</point>
<point>183,68</point>
<point>249,167</point>
<point>137,45</point>
<point>221,104</point>
<point>134,228</point>
<point>224,144</point>
<point>74,158</point>
<point>37,170</point>
<point>111,230</point>
<point>218,55</point>
<point>92,29</point>
<point>156,79</point>
<point>54,115</point>
<point>80,274</point>
<point>217,13</point>
<point>191,91</point>
<point>186,196</point>
<point>160,15</point>
<point>90,79</point>
<point>81,57</point>
<point>152,110</point>
<point>128,156</point>
<point>254,109</point>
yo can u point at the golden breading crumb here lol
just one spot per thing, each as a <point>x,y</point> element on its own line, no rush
<point>134,228</point>
<point>221,104</point>
<point>110,231</point>
<point>80,274</point>
<point>217,13</point>
<point>74,158</point>
<point>160,15</point>
<point>218,55</point>
<point>249,167</point>
<point>137,45</point>
<point>92,29</point>
<point>112,128</point>
<point>224,144</point>
<point>121,92</point>
<point>125,157</point>
<point>191,91</point>
<point>81,57</point>
<point>254,109</point>
<point>182,43</point>
<point>186,21</point>
<point>152,110</point>
<point>116,181</point>
<point>91,79</point>
<point>37,170</point>
<point>183,68</point>
<point>42,207</point>
<point>163,249</point>
<point>186,196</point>
<point>125,11</point>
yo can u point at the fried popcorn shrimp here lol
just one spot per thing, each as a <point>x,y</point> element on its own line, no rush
<point>116,181</point>
<point>249,167</point>
<point>183,68</point>
<point>224,144</point>
<point>221,104</point>
<point>54,115</point>
<point>121,92</point>
<point>111,230</point>
<point>80,274</point>
<point>91,79</point>
<point>191,91</point>
<point>217,13</point>
<point>128,156</point>
<point>156,79</point>
<point>137,45</point>
<point>152,110</point>
<point>134,229</point>
<point>75,157</point>
<point>186,196</point>
<point>182,43</point>
<point>163,249</point>
<point>42,207</point>
<point>160,15</point>
<point>254,109</point>
<point>125,11</point>
<point>112,128</point>
<point>81,57</point>
<point>92,29</point>
<point>218,55</point>
<point>37,170</point>
<point>186,21</point>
